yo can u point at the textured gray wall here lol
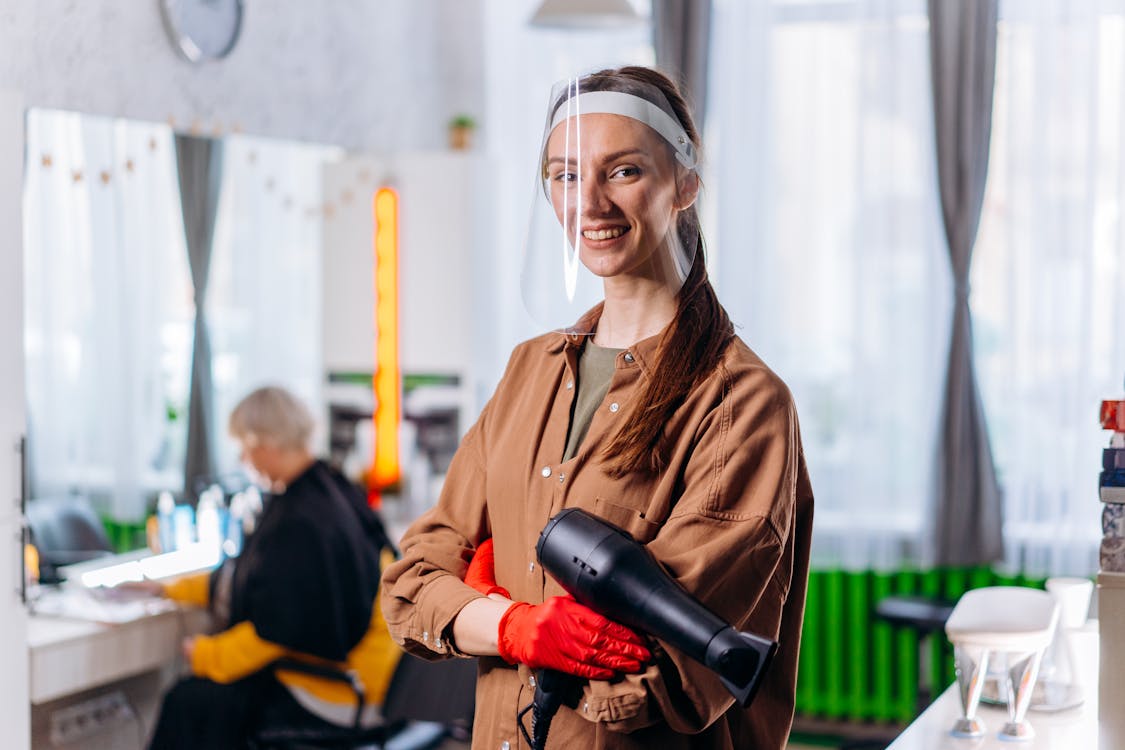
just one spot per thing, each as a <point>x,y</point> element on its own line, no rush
<point>374,74</point>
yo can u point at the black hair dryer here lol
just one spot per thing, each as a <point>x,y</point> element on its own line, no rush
<point>604,568</point>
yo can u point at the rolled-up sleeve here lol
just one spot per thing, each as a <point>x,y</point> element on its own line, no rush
<point>423,591</point>
<point>727,541</point>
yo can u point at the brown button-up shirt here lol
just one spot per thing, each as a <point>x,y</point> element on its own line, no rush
<point>730,519</point>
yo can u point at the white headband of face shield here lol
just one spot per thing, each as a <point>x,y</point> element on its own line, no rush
<point>628,105</point>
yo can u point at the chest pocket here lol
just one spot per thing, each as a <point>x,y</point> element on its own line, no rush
<point>630,519</point>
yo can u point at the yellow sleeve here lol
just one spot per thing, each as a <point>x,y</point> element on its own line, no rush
<point>233,654</point>
<point>378,653</point>
<point>193,589</point>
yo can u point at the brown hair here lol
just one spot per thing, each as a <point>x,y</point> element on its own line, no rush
<point>693,345</point>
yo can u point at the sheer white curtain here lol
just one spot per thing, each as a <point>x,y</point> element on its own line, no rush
<point>264,299</point>
<point>108,310</point>
<point>521,65</point>
<point>827,251</point>
<point>1049,272</point>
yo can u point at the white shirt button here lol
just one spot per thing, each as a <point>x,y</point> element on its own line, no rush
<point>426,636</point>
<point>562,478</point>
<point>437,642</point>
<point>546,472</point>
<point>628,357</point>
<point>569,384</point>
<point>531,681</point>
<point>505,746</point>
<point>531,567</point>
<point>613,408</point>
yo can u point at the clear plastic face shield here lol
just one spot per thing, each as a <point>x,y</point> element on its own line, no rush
<point>616,175</point>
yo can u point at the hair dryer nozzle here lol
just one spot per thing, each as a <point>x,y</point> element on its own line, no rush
<point>740,660</point>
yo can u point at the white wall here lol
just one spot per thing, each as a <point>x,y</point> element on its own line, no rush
<point>381,75</point>
<point>14,713</point>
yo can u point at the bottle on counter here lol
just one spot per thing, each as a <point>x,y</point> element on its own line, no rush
<point>208,527</point>
<point>165,521</point>
<point>183,525</point>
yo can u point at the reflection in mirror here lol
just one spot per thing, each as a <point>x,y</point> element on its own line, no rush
<point>111,303</point>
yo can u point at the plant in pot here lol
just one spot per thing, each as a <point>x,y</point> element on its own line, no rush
<point>461,129</point>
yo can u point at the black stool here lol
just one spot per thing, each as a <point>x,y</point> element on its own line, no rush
<point>924,615</point>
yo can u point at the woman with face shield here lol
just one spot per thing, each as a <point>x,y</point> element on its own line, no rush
<point>641,407</point>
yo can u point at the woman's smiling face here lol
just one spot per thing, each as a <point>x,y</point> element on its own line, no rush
<point>617,198</point>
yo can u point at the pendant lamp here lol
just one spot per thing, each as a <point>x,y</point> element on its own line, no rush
<point>585,14</point>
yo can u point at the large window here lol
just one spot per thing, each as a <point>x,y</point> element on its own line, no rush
<point>828,251</point>
<point>1049,272</point>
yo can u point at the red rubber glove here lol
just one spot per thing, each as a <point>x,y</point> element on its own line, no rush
<point>481,574</point>
<point>567,636</point>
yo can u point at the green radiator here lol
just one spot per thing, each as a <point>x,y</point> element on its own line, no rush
<point>854,667</point>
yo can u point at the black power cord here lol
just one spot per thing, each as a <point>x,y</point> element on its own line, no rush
<point>553,689</point>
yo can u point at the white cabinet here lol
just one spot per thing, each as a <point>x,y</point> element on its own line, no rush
<point>14,706</point>
<point>441,200</point>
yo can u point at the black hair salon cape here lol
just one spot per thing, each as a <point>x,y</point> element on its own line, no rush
<point>308,576</point>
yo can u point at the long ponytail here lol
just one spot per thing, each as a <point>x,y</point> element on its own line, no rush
<point>694,343</point>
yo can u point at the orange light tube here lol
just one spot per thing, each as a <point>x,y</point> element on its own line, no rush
<point>387,379</point>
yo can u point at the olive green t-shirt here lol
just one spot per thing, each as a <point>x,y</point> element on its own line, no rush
<point>595,371</point>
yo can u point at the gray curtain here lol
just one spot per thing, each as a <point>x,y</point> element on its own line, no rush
<point>199,162</point>
<point>681,35</point>
<point>967,508</point>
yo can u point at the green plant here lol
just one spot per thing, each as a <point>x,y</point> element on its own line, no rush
<point>462,121</point>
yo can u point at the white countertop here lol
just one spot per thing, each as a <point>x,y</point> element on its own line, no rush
<point>69,654</point>
<point>1076,728</point>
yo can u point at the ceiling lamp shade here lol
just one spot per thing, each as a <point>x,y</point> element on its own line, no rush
<point>586,14</point>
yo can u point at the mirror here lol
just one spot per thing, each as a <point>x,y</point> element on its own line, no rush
<point>110,304</point>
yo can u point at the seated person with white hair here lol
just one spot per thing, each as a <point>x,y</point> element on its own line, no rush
<point>305,587</point>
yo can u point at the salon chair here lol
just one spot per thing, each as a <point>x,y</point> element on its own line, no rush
<point>65,530</point>
<point>425,703</point>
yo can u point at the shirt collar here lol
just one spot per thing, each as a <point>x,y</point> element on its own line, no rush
<point>568,337</point>
<point>643,352</point>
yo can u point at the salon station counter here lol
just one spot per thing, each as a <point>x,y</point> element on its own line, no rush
<point>98,671</point>
<point>1073,728</point>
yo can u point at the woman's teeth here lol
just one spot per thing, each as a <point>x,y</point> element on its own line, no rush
<point>603,234</point>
